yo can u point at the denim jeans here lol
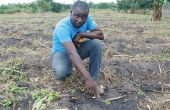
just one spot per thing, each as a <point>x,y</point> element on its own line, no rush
<point>92,49</point>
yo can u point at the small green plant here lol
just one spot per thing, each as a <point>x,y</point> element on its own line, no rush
<point>165,50</point>
<point>39,93</point>
<point>164,58</point>
<point>107,102</point>
<point>10,100</point>
<point>141,93</point>
<point>43,97</point>
<point>15,89</point>
<point>72,92</point>
<point>40,103</point>
<point>16,63</point>
<point>6,102</point>
<point>13,74</point>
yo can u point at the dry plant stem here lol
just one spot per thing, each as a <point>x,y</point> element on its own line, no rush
<point>30,105</point>
<point>13,106</point>
<point>116,98</point>
<point>148,107</point>
<point>161,72</point>
<point>121,56</point>
<point>168,100</point>
<point>159,67</point>
<point>74,84</point>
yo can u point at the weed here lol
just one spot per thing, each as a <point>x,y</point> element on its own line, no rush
<point>13,74</point>
<point>107,102</point>
<point>18,90</point>
<point>164,50</point>
<point>39,94</point>
<point>163,58</point>
<point>16,64</point>
<point>6,102</point>
<point>72,92</point>
<point>140,93</point>
<point>43,97</point>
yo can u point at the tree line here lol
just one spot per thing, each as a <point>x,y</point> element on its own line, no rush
<point>40,6</point>
<point>34,7</point>
<point>49,5</point>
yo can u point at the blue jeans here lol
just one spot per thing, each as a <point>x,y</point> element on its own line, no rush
<point>62,65</point>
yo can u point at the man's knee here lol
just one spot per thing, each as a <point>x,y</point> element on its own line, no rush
<point>97,44</point>
<point>61,74</point>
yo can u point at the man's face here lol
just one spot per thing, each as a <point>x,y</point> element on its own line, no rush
<point>79,17</point>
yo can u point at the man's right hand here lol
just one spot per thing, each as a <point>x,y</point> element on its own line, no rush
<point>78,39</point>
<point>91,87</point>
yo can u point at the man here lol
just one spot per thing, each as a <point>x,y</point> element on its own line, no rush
<point>67,48</point>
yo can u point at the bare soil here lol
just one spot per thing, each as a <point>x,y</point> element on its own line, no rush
<point>135,65</point>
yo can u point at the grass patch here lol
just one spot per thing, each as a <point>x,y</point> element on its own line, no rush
<point>43,97</point>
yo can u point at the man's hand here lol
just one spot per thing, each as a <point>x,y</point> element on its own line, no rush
<point>78,39</point>
<point>94,34</point>
<point>91,87</point>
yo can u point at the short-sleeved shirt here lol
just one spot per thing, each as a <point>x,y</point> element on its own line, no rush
<point>65,32</point>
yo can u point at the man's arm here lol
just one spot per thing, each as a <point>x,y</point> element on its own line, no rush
<point>95,34</point>
<point>77,62</point>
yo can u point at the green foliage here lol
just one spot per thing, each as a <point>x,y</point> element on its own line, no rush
<point>43,97</point>
<point>72,92</point>
<point>134,4</point>
<point>16,63</point>
<point>107,102</point>
<point>13,71</point>
<point>45,5</point>
<point>164,58</point>
<point>158,2</point>
<point>123,5</point>
<point>10,8</point>
<point>13,94</point>
<point>10,100</point>
<point>18,90</point>
<point>39,94</point>
<point>102,5</point>
<point>34,7</point>
<point>141,93</point>
<point>6,102</point>
<point>165,50</point>
<point>12,74</point>
<point>55,7</point>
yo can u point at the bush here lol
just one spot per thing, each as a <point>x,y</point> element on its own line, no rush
<point>55,7</point>
<point>34,7</point>
<point>11,11</point>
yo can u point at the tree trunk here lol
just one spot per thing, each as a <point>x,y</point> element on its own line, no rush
<point>132,11</point>
<point>157,12</point>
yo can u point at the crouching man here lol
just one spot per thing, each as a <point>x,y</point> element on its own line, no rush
<point>75,38</point>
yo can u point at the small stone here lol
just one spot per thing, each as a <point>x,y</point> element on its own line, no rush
<point>100,89</point>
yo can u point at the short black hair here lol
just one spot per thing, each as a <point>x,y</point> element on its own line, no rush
<point>80,4</point>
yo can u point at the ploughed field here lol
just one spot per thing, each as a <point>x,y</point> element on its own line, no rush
<point>135,70</point>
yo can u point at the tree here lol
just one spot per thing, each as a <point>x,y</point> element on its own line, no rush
<point>55,7</point>
<point>157,9</point>
<point>123,5</point>
<point>134,5</point>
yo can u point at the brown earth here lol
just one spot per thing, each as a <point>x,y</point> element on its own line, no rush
<point>136,61</point>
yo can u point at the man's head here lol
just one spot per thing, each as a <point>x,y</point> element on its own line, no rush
<point>79,13</point>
